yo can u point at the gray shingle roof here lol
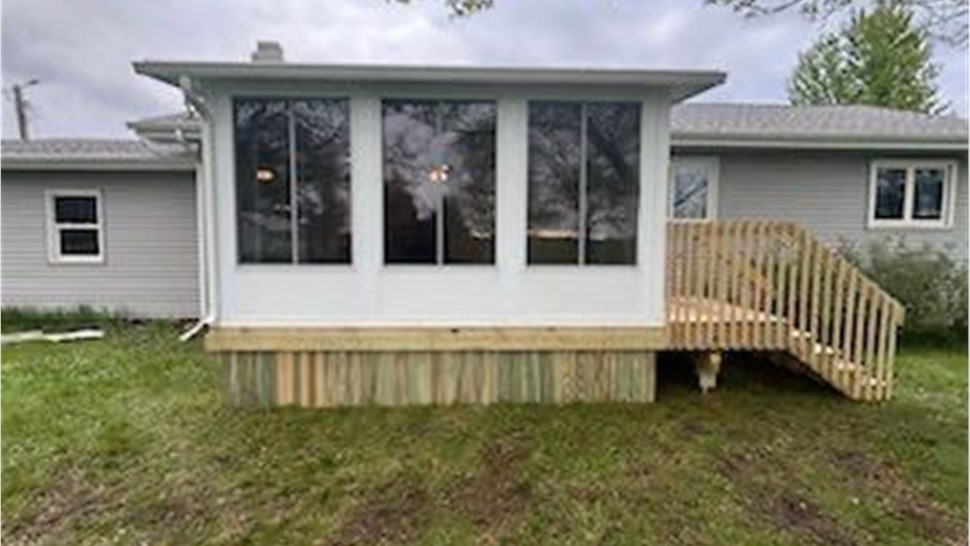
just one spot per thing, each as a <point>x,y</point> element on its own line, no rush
<point>848,123</point>
<point>744,121</point>
<point>84,151</point>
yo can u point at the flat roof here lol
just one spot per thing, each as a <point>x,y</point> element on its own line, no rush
<point>682,83</point>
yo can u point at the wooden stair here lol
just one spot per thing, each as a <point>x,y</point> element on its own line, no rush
<point>771,286</point>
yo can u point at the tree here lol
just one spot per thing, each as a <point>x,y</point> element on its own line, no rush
<point>943,20</point>
<point>880,58</point>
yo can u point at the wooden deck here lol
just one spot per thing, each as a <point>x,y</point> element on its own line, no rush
<point>741,285</point>
<point>771,286</point>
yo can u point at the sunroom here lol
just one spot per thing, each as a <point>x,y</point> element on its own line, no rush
<point>415,235</point>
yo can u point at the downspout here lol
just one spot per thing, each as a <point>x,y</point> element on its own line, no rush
<point>204,217</point>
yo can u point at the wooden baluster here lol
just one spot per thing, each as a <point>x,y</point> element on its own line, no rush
<point>839,297</point>
<point>897,319</point>
<point>885,320</point>
<point>782,283</point>
<point>703,254</point>
<point>860,322</point>
<point>723,284</point>
<point>805,273</point>
<point>814,298</point>
<point>793,267</point>
<point>733,311</point>
<point>690,269</point>
<point>713,271</point>
<point>871,371</point>
<point>771,272</point>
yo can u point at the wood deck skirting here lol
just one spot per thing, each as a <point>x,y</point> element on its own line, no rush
<point>434,339</point>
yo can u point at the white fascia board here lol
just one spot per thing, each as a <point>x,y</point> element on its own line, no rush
<point>682,83</point>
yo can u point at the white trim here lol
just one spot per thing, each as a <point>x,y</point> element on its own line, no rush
<point>54,228</point>
<point>816,143</point>
<point>945,221</point>
<point>53,164</point>
<point>712,164</point>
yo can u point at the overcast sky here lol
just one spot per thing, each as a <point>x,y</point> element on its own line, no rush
<point>81,50</point>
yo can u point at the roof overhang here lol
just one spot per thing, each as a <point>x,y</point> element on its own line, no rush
<point>787,142</point>
<point>681,84</point>
<point>87,164</point>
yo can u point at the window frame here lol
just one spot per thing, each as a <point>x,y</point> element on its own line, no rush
<point>440,235</point>
<point>54,228</point>
<point>950,176</point>
<point>582,201</point>
<point>293,175</point>
<point>713,164</point>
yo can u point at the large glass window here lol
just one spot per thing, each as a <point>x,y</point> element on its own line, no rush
<point>293,180</point>
<point>911,193</point>
<point>439,182</point>
<point>584,163</point>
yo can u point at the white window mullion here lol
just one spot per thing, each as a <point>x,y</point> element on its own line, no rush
<point>909,194</point>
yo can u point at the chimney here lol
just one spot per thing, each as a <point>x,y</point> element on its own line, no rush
<point>267,52</point>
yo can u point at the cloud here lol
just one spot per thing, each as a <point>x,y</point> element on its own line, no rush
<point>81,50</point>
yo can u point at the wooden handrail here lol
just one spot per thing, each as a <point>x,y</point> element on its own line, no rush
<point>771,285</point>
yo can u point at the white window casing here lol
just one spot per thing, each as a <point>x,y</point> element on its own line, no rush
<point>55,253</point>
<point>907,221</point>
<point>710,167</point>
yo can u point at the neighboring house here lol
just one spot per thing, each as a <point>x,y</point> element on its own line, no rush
<point>431,234</point>
<point>104,223</point>
<point>850,173</point>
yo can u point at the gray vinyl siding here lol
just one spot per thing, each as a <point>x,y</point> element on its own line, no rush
<point>151,254</point>
<point>828,192</point>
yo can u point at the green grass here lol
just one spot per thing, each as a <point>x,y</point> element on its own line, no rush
<point>126,440</point>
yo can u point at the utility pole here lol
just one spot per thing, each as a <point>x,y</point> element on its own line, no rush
<point>20,104</point>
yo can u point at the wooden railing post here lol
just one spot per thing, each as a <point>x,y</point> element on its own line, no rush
<point>762,285</point>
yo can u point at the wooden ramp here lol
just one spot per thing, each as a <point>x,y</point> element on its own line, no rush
<point>771,286</point>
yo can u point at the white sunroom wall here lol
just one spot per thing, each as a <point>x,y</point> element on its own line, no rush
<point>509,293</point>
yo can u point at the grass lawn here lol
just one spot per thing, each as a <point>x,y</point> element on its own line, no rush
<point>126,441</point>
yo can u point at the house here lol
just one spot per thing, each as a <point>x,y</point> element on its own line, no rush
<point>430,234</point>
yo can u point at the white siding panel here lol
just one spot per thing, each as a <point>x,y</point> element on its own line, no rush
<point>151,253</point>
<point>827,192</point>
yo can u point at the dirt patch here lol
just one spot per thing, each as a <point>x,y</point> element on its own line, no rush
<point>797,515</point>
<point>68,502</point>
<point>391,515</point>
<point>490,499</point>
<point>396,511</point>
<point>904,500</point>
<point>776,505</point>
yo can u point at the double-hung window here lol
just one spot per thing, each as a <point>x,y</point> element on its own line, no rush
<point>75,227</point>
<point>439,182</point>
<point>584,178</point>
<point>293,180</point>
<point>911,193</point>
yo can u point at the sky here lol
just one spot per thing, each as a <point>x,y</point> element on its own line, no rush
<point>81,50</point>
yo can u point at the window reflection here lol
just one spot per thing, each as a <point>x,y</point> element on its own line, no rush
<point>323,180</point>
<point>583,182</point>
<point>292,153</point>
<point>555,162</point>
<point>439,189</point>
<point>263,181</point>
<point>928,202</point>
<point>613,163</point>
<point>890,193</point>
